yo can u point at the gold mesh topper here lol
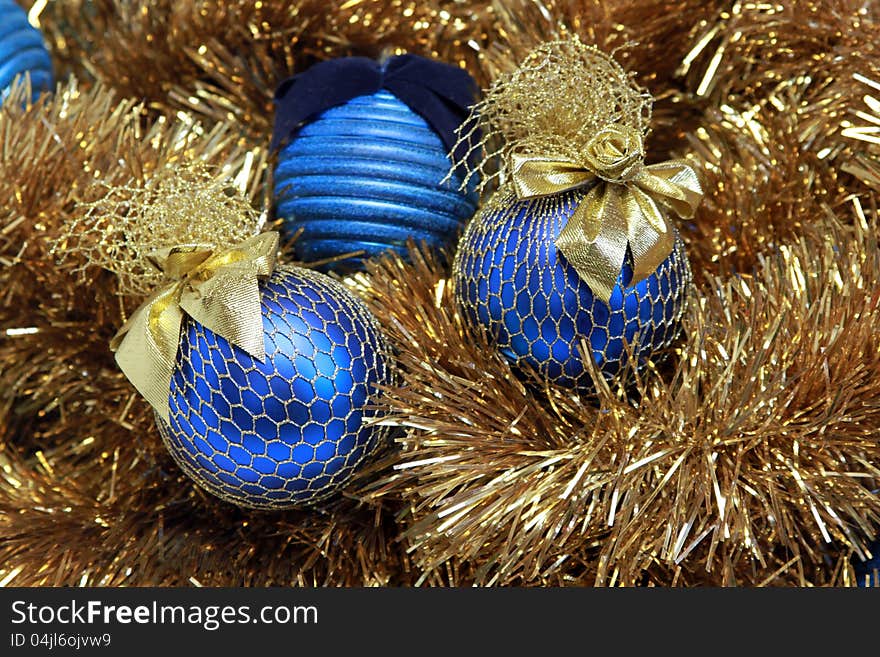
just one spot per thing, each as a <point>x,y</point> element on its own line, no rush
<point>128,224</point>
<point>560,97</point>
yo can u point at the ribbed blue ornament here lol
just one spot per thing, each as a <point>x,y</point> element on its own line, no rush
<point>510,279</point>
<point>367,175</point>
<point>290,430</point>
<point>22,50</point>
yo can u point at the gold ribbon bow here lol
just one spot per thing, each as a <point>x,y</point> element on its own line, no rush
<point>220,290</point>
<point>620,210</point>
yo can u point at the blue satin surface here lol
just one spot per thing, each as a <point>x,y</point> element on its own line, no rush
<point>510,279</point>
<point>22,50</point>
<point>366,176</point>
<point>290,430</point>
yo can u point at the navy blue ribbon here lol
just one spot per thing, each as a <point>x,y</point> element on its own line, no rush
<point>439,93</point>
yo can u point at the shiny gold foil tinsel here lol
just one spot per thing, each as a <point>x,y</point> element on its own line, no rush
<point>808,59</point>
<point>748,459</point>
<point>222,59</point>
<point>758,446</point>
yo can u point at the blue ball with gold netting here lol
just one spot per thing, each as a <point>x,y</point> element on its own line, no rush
<point>575,259</point>
<point>293,428</point>
<point>511,280</point>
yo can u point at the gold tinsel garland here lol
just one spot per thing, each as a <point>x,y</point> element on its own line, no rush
<point>749,459</point>
<point>726,458</point>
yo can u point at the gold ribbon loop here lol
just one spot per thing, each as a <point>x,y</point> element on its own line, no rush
<point>620,210</point>
<point>534,177</point>
<point>220,290</point>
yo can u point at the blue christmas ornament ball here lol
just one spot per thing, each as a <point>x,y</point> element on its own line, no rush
<point>22,50</point>
<point>510,280</point>
<point>868,572</point>
<point>366,176</point>
<point>290,430</point>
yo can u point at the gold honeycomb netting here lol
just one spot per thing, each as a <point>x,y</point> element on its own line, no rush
<point>185,203</point>
<point>562,94</point>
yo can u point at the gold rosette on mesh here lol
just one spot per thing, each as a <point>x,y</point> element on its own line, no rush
<point>218,289</point>
<point>621,209</point>
<point>571,118</point>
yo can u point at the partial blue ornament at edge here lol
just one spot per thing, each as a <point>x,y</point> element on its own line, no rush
<point>510,279</point>
<point>22,50</point>
<point>868,572</point>
<point>367,176</point>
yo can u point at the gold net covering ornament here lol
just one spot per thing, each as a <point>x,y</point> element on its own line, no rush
<point>574,256</point>
<point>263,377</point>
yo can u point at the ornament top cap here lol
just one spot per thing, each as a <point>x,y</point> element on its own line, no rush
<point>442,94</point>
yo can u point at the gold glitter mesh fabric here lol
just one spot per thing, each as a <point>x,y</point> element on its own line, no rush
<point>292,428</point>
<point>129,223</point>
<point>553,104</point>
